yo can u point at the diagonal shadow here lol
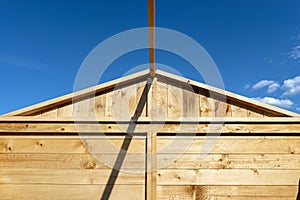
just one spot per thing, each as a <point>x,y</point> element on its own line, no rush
<point>126,143</point>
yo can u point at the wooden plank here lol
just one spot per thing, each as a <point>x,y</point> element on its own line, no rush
<point>227,192</point>
<point>206,106</point>
<point>140,87</point>
<point>175,101</point>
<point>222,109</point>
<point>151,36</point>
<point>69,161</point>
<point>190,103</point>
<point>228,145</point>
<point>65,110</point>
<point>49,113</point>
<point>230,161</point>
<point>109,104</point>
<point>68,176</point>
<point>234,128</point>
<point>100,101</point>
<point>40,144</point>
<point>238,110</point>
<point>112,127</point>
<point>248,198</point>
<point>81,108</point>
<point>151,166</point>
<point>233,120</point>
<point>130,93</point>
<point>149,98</point>
<point>74,192</point>
<point>159,100</point>
<point>228,177</point>
<point>115,104</point>
<point>254,113</point>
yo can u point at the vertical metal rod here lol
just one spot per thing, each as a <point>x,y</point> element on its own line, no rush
<point>151,32</point>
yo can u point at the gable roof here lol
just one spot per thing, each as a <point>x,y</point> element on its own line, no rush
<point>130,79</point>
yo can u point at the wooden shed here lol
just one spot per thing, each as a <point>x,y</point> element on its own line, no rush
<point>158,128</point>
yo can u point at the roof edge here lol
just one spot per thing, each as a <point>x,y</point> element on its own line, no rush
<point>230,95</point>
<point>140,75</point>
<point>77,95</point>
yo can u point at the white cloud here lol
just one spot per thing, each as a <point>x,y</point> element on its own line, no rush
<point>247,86</point>
<point>272,85</point>
<point>295,53</point>
<point>24,62</point>
<point>291,86</point>
<point>284,103</point>
<point>261,84</point>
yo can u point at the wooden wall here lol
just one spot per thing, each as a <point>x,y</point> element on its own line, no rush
<point>240,167</point>
<point>169,99</point>
<point>60,167</point>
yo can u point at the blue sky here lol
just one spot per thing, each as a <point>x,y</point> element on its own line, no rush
<point>255,44</point>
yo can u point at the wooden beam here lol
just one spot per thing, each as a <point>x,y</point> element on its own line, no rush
<point>169,120</point>
<point>151,32</point>
<point>141,128</point>
<point>74,192</point>
<point>228,177</point>
<point>227,192</point>
<point>151,183</point>
<point>67,176</point>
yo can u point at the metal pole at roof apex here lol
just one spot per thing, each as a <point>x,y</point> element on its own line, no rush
<point>151,32</point>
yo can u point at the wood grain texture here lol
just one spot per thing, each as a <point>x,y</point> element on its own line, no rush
<point>228,177</point>
<point>238,110</point>
<point>68,176</point>
<point>207,106</point>
<point>159,100</point>
<point>228,145</point>
<point>112,127</point>
<point>69,161</point>
<point>100,101</point>
<point>62,145</point>
<point>137,97</point>
<point>190,103</point>
<point>226,192</point>
<point>65,110</point>
<point>231,161</point>
<point>175,101</point>
<point>74,192</point>
<point>50,112</point>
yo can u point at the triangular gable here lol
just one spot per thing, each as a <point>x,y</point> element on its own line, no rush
<point>174,95</point>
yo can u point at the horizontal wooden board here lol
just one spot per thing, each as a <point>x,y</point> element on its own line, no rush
<point>227,192</point>
<point>245,198</point>
<point>227,145</point>
<point>174,119</point>
<point>70,161</point>
<point>109,144</point>
<point>64,192</point>
<point>58,176</point>
<point>229,161</point>
<point>161,127</point>
<point>228,177</point>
